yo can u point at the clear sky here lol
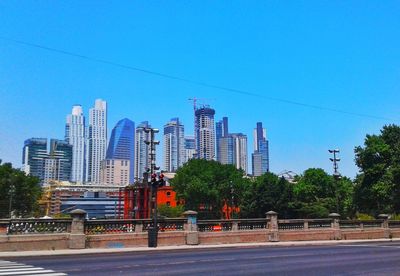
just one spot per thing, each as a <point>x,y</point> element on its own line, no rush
<point>336,54</point>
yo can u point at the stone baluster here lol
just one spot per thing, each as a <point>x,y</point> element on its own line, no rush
<point>77,238</point>
<point>385,225</point>
<point>337,234</point>
<point>272,219</point>
<point>190,227</point>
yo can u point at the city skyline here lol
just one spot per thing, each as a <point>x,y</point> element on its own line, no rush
<point>309,68</point>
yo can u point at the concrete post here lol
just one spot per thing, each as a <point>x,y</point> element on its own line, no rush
<point>305,225</point>
<point>385,226</point>
<point>190,227</point>
<point>77,238</point>
<point>273,234</point>
<point>337,234</point>
<point>139,227</point>
<point>235,226</point>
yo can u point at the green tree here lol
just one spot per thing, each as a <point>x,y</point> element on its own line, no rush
<point>267,192</point>
<point>205,186</point>
<point>24,192</point>
<point>377,187</point>
<point>317,194</point>
<point>170,212</point>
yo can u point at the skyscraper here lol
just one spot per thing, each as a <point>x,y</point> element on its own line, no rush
<point>122,145</point>
<point>58,164</point>
<point>34,155</point>
<point>205,133</point>
<point>96,141</point>
<point>174,145</point>
<point>260,157</point>
<point>54,165</point>
<point>221,130</point>
<point>190,148</point>
<point>233,150</point>
<point>142,159</point>
<point>75,136</point>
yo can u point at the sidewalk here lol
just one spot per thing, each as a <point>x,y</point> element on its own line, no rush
<point>180,247</point>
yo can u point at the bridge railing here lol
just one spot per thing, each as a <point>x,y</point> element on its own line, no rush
<point>35,226</point>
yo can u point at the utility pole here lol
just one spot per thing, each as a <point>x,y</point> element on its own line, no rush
<point>336,174</point>
<point>153,231</point>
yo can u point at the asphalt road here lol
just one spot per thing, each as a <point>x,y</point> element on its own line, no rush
<point>345,259</point>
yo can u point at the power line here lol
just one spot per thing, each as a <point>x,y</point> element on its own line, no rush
<point>199,83</point>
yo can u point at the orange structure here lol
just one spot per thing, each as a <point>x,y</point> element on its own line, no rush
<point>135,200</point>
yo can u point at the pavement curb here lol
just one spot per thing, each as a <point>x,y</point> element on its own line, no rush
<point>9,254</point>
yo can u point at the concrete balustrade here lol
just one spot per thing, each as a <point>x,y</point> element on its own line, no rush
<point>79,233</point>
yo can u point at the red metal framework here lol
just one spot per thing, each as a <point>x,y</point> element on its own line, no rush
<point>134,200</point>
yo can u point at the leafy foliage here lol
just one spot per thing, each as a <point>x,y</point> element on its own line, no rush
<point>206,186</point>
<point>170,212</point>
<point>24,191</point>
<point>378,184</point>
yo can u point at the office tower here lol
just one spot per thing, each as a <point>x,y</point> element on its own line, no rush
<point>58,163</point>
<point>190,148</point>
<point>174,145</point>
<point>205,133</point>
<point>122,144</point>
<point>142,158</point>
<point>260,157</point>
<point>96,141</point>
<point>115,172</point>
<point>221,130</point>
<point>34,156</point>
<point>75,136</point>
<point>233,150</point>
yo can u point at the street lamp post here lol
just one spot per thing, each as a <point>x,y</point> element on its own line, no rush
<point>336,174</point>
<point>153,231</point>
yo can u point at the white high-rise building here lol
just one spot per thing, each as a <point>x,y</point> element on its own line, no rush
<point>240,151</point>
<point>75,136</point>
<point>96,141</point>
<point>142,157</point>
<point>174,145</point>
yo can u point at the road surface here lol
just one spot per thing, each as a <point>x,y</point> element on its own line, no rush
<point>343,259</point>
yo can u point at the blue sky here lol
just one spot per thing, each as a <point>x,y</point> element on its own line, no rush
<point>336,54</point>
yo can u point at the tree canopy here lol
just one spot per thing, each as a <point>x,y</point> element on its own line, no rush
<point>378,184</point>
<point>24,192</point>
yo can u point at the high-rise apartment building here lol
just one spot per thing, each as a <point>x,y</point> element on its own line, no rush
<point>221,131</point>
<point>260,157</point>
<point>142,154</point>
<point>122,145</point>
<point>174,145</point>
<point>190,148</point>
<point>96,141</point>
<point>75,136</point>
<point>115,172</point>
<point>205,133</point>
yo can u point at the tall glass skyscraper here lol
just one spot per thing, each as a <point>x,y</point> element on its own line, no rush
<point>260,157</point>
<point>47,166</point>
<point>233,150</point>
<point>96,141</point>
<point>34,155</point>
<point>190,148</point>
<point>205,133</point>
<point>174,145</point>
<point>122,144</point>
<point>75,136</point>
<point>142,159</point>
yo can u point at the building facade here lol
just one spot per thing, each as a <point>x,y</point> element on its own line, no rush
<point>221,131</point>
<point>190,148</point>
<point>115,172</point>
<point>260,157</point>
<point>96,141</point>
<point>142,154</point>
<point>174,145</point>
<point>205,133</point>
<point>34,155</point>
<point>75,136</point>
<point>122,145</point>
